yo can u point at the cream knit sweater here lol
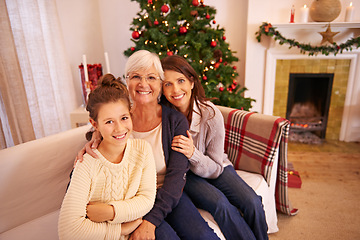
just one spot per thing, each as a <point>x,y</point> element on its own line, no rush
<point>129,186</point>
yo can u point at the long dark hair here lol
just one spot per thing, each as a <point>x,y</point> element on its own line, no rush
<point>179,64</point>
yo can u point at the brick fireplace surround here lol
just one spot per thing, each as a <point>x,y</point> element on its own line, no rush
<point>340,69</point>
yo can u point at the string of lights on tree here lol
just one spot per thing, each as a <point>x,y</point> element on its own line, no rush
<point>188,28</point>
<point>268,30</point>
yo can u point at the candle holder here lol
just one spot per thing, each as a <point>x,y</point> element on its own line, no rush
<point>94,73</point>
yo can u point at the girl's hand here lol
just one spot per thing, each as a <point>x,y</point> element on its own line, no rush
<point>88,148</point>
<point>184,145</point>
<point>100,212</point>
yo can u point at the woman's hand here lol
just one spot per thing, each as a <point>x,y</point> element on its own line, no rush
<point>88,148</point>
<point>146,230</point>
<point>184,145</point>
<point>129,227</point>
<point>100,212</point>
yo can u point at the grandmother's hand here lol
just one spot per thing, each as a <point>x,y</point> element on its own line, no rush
<point>88,148</point>
<point>146,230</point>
<point>184,145</point>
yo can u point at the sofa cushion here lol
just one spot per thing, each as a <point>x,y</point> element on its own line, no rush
<point>42,228</point>
<point>34,176</point>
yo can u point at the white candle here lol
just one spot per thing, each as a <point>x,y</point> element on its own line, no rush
<point>349,13</point>
<point>304,14</point>
<point>85,69</point>
<point>107,62</point>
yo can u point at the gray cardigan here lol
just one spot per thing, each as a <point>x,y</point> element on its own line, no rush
<point>208,133</point>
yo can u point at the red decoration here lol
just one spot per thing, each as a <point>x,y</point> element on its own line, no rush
<point>156,22</point>
<point>233,86</point>
<point>170,53</point>
<point>132,49</point>
<point>135,35</point>
<point>217,65</point>
<point>292,14</point>
<point>267,27</point>
<point>164,8</point>
<point>150,2</point>
<point>214,22</point>
<point>195,3</point>
<point>204,78</point>
<point>213,43</point>
<point>207,16</point>
<point>221,89</point>
<point>182,30</point>
<point>235,82</point>
<point>220,60</point>
<point>234,67</point>
<point>94,73</point>
<point>224,38</point>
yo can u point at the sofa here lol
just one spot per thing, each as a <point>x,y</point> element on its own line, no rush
<point>34,175</point>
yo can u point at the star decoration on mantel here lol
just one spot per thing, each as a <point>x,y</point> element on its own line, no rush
<point>328,35</point>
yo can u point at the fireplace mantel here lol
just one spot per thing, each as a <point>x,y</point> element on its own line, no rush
<point>317,25</point>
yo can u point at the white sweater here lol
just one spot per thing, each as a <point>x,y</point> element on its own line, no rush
<point>129,186</point>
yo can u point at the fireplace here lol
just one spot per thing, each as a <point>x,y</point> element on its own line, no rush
<point>308,102</point>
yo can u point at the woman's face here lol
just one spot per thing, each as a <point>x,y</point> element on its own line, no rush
<point>114,123</point>
<point>177,89</point>
<point>144,85</point>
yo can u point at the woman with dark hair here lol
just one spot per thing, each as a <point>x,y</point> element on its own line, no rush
<point>212,184</point>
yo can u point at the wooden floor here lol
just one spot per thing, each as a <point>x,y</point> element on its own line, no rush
<point>328,200</point>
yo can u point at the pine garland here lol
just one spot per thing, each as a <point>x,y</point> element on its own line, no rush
<point>268,30</point>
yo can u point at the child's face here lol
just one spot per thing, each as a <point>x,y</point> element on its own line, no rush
<point>114,123</point>
<point>177,89</point>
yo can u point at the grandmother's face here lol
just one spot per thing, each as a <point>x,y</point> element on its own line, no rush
<point>144,85</point>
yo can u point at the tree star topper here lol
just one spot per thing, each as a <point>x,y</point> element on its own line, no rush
<point>328,35</point>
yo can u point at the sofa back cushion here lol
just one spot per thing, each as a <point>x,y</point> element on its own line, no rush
<point>34,176</point>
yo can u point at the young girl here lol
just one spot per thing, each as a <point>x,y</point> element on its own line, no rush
<point>108,195</point>
<point>212,184</point>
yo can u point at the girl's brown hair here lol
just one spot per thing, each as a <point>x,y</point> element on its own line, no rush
<point>108,89</point>
<point>179,64</point>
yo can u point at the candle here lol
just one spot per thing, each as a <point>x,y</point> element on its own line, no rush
<point>87,83</point>
<point>349,13</point>
<point>85,69</point>
<point>292,14</point>
<point>107,62</point>
<point>304,14</point>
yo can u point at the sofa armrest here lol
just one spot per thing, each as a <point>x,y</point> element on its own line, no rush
<point>253,142</point>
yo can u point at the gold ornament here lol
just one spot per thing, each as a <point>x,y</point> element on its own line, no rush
<point>328,35</point>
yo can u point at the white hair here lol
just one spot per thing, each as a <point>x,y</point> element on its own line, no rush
<point>144,59</point>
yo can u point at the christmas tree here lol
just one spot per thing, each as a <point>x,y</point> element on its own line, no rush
<point>188,28</point>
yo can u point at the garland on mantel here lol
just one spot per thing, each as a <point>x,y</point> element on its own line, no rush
<point>268,30</point>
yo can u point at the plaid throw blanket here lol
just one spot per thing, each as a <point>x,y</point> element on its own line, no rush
<point>251,141</point>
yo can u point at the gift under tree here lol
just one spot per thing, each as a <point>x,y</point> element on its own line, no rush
<point>188,28</point>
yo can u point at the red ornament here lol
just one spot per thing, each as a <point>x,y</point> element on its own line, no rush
<point>233,86</point>
<point>217,65</point>
<point>224,38</point>
<point>170,53</point>
<point>135,35</point>
<point>132,49</point>
<point>182,30</point>
<point>207,16</point>
<point>220,60</point>
<point>221,89</point>
<point>235,82</point>
<point>204,78</point>
<point>164,8</point>
<point>234,67</point>
<point>150,2</point>
<point>213,43</point>
<point>195,3</point>
<point>156,22</point>
<point>214,22</point>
